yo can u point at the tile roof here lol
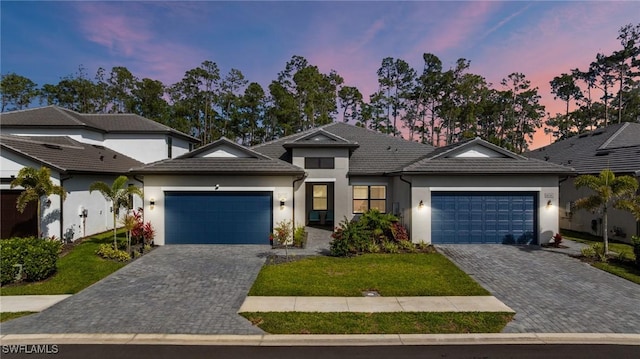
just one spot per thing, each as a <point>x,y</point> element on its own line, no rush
<point>616,147</point>
<point>54,116</point>
<point>67,155</point>
<point>485,166</point>
<point>440,162</point>
<point>218,165</point>
<point>376,153</point>
<point>193,163</point>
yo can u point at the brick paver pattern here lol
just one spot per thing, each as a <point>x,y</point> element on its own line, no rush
<point>551,292</point>
<point>187,289</point>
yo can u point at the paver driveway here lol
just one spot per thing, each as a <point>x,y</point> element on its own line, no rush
<point>193,289</point>
<point>551,292</point>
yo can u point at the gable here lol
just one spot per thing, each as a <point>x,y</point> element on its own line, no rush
<point>224,151</point>
<point>477,151</point>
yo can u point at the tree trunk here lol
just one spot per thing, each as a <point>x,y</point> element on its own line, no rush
<point>605,232</point>
<point>113,209</point>
<point>39,215</point>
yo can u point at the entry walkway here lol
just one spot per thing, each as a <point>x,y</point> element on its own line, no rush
<point>374,304</point>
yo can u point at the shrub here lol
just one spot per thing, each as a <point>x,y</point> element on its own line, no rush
<point>556,240</point>
<point>107,251</point>
<point>299,236</point>
<point>635,240</point>
<point>142,232</point>
<point>399,232</point>
<point>390,247</point>
<point>282,233</point>
<point>595,251</point>
<point>38,258</point>
<point>349,238</point>
<point>379,224</point>
<point>373,247</point>
<point>407,246</point>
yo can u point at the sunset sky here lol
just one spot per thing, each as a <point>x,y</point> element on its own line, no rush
<point>45,41</point>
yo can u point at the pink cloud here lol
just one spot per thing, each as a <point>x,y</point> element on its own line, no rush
<point>131,37</point>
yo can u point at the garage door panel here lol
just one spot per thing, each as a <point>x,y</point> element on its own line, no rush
<point>218,217</point>
<point>483,217</point>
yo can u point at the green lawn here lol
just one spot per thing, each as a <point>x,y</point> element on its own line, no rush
<point>626,249</point>
<point>8,316</point>
<point>624,269</point>
<point>77,270</point>
<point>416,274</point>
<point>378,323</point>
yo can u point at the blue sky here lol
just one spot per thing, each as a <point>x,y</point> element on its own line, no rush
<point>45,41</point>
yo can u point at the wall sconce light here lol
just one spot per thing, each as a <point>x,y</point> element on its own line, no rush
<point>47,203</point>
<point>152,203</point>
<point>283,199</point>
<point>549,203</point>
<point>421,205</point>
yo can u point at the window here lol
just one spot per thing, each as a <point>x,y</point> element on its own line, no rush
<point>320,202</point>
<point>169,146</point>
<point>319,163</point>
<point>369,197</point>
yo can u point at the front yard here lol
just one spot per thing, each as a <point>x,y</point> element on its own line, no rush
<point>415,274</point>
<point>390,274</point>
<point>77,270</point>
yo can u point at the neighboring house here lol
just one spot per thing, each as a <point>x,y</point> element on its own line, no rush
<point>132,135</point>
<point>74,165</point>
<point>79,149</point>
<point>615,147</point>
<point>469,192</point>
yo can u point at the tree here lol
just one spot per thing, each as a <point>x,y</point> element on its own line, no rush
<point>118,193</point>
<point>16,91</point>
<point>36,184</point>
<point>610,191</point>
<point>564,87</point>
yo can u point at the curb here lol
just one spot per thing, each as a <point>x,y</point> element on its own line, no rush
<point>325,339</point>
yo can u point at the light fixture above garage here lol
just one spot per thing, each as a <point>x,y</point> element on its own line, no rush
<point>152,203</point>
<point>421,205</point>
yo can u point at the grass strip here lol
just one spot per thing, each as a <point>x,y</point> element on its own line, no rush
<point>379,323</point>
<point>416,274</point>
<point>627,272</point>
<point>4,316</point>
<point>77,270</point>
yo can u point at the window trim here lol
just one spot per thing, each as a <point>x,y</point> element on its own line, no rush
<point>316,163</point>
<point>369,199</point>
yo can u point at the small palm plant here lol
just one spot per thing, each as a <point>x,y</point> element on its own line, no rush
<point>37,184</point>
<point>118,193</point>
<point>610,191</point>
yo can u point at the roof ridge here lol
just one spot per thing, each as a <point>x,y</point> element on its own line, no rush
<point>63,111</point>
<point>294,134</point>
<point>34,139</point>
<point>612,137</point>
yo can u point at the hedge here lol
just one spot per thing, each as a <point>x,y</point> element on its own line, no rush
<point>37,256</point>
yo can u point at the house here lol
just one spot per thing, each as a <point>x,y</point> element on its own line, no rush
<point>79,149</point>
<point>74,165</point>
<point>469,192</point>
<point>131,135</point>
<point>615,147</point>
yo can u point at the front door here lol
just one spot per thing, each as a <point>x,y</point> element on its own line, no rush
<point>319,204</point>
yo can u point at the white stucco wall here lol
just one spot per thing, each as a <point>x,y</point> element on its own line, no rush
<point>156,185</point>
<point>99,218</point>
<point>145,148</point>
<point>10,165</point>
<point>337,175</point>
<point>580,219</point>
<point>423,186</point>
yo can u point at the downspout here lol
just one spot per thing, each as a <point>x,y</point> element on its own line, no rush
<point>410,195</point>
<point>62,179</point>
<point>293,198</point>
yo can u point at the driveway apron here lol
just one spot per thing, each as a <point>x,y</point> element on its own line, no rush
<point>188,289</point>
<point>551,292</point>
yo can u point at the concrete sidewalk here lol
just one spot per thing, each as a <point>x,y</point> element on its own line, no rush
<point>29,303</point>
<point>374,304</point>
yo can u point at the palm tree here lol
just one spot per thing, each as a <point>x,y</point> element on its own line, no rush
<point>610,191</point>
<point>36,184</point>
<point>118,193</point>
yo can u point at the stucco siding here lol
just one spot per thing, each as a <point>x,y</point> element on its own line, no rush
<point>580,220</point>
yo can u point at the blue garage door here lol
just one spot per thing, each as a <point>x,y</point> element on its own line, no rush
<point>218,217</point>
<point>484,217</point>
